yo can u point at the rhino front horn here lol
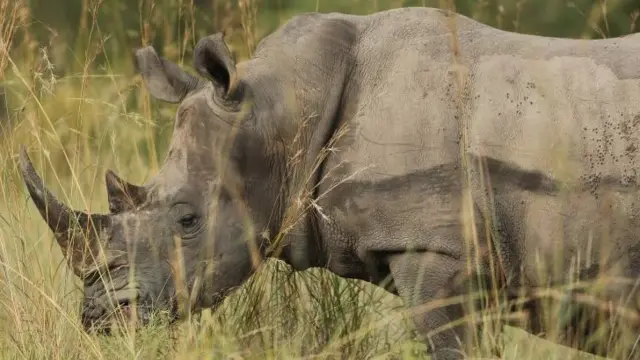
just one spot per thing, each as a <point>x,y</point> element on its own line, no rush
<point>76,232</point>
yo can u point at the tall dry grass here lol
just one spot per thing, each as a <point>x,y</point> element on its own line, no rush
<point>95,117</point>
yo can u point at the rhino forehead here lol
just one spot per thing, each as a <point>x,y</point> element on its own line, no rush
<point>133,221</point>
<point>168,181</point>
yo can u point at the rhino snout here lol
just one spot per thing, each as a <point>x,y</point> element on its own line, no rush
<point>121,308</point>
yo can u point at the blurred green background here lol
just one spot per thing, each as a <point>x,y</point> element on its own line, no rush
<point>65,24</point>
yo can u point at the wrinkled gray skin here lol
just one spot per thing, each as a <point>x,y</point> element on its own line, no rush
<point>553,122</point>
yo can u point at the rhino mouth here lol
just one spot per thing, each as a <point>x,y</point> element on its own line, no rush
<point>122,316</point>
<point>128,314</point>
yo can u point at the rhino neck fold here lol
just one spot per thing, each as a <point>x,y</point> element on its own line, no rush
<point>303,245</point>
<point>307,122</point>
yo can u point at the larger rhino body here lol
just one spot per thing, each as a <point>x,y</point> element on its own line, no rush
<point>453,148</point>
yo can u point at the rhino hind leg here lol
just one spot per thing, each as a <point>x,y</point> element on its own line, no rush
<point>605,323</point>
<point>604,318</point>
<point>590,323</point>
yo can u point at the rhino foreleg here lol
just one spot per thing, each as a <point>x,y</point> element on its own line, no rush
<point>426,283</point>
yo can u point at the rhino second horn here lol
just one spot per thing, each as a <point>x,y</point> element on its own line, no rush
<point>122,195</point>
<point>69,226</point>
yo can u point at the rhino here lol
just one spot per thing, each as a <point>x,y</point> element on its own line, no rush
<point>414,148</point>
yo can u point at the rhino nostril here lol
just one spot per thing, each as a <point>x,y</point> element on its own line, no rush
<point>124,298</point>
<point>124,308</point>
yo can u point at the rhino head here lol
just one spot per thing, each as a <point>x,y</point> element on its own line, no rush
<point>193,231</point>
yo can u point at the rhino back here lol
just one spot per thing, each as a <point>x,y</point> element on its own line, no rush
<point>403,95</point>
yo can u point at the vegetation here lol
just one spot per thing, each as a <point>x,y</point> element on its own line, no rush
<point>66,69</point>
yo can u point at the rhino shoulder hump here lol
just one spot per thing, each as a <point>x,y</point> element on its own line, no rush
<point>313,29</point>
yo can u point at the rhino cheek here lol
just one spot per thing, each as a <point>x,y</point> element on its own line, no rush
<point>230,271</point>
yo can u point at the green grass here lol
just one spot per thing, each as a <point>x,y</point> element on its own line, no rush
<point>78,109</point>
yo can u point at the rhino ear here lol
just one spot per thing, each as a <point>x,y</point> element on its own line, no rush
<point>163,79</point>
<point>213,60</point>
<point>122,195</point>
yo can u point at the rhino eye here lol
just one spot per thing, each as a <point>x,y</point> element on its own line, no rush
<point>187,221</point>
